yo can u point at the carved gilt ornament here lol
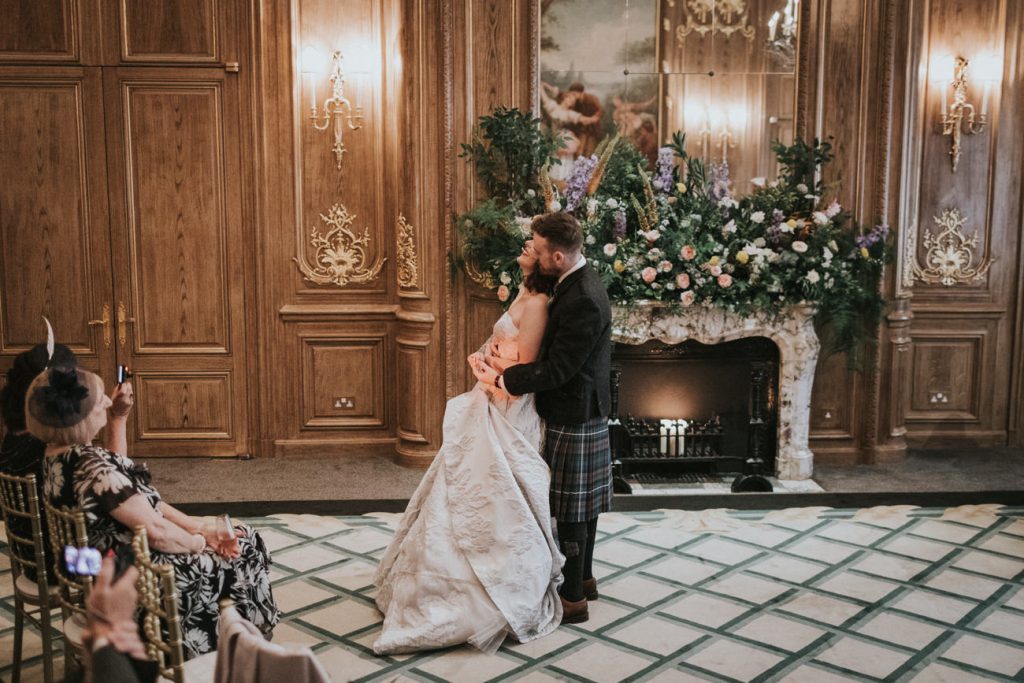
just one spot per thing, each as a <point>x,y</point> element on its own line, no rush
<point>408,270</point>
<point>340,253</point>
<point>724,17</point>
<point>950,255</point>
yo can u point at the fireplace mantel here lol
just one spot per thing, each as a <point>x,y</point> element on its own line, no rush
<point>792,330</point>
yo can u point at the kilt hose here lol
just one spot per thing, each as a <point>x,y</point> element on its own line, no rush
<point>580,459</point>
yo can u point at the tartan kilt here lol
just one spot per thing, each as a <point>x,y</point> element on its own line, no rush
<point>580,459</point>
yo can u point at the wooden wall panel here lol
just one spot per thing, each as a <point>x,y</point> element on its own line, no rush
<point>356,29</point>
<point>180,257</point>
<point>39,31</point>
<point>177,223</point>
<point>183,406</point>
<point>55,256</point>
<point>182,31</point>
<point>343,380</point>
<point>963,334</point>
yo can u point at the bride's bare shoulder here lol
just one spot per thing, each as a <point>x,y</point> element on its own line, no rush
<point>536,301</point>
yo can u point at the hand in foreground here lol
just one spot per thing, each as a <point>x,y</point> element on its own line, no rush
<point>123,398</point>
<point>111,610</point>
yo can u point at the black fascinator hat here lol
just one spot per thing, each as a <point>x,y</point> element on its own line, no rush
<point>59,408</point>
<point>27,365</point>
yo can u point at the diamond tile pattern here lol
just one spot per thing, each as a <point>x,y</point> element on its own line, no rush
<point>795,595</point>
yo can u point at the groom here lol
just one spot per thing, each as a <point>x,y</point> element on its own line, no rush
<point>571,381</point>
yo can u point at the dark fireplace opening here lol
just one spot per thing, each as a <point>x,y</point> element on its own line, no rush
<point>688,411</point>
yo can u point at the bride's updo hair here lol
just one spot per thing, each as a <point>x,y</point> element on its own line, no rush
<point>539,283</point>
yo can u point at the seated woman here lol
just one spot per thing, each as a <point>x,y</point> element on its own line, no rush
<point>21,454</point>
<point>66,408</point>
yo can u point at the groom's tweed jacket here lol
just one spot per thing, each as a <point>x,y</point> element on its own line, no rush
<point>571,374</point>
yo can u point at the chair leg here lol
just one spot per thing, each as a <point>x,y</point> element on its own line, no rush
<point>47,635</point>
<point>19,631</point>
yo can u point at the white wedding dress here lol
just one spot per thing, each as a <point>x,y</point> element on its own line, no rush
<point>474,558</point>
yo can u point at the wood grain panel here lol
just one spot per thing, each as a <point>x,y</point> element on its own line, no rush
<point>55,257</point>
<point>185,31</point>
<point>355,28</point>
<point>183,406</point>
<point>39,30</point>
<point>178,219</point>
<point>945,379</point>
<point>343,385</point>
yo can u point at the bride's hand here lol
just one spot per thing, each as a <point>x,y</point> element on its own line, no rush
<point>484,372</point>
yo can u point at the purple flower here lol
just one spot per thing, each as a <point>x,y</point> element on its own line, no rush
<point>877,234</point>
<point>778,216</point>
<point>718,179</point>
<point>576,186</point>
<point>665,166</point>
<point>619,231</point>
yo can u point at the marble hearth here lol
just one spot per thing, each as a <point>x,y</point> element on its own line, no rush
<point>791,329</point>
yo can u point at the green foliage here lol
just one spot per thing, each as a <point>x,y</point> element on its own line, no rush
<point>509,150</point>
<point>674,234</point>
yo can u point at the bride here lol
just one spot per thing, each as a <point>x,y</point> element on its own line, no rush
<point>474,559</point>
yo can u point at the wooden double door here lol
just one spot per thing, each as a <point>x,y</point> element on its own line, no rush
<point>121,213</point>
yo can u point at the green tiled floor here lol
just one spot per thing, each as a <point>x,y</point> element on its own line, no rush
<point>807,594</point>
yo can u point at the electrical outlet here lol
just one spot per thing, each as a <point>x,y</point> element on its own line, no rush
<point>344,402</point>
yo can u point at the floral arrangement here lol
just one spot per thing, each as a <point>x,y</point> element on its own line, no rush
<point>677,234</point>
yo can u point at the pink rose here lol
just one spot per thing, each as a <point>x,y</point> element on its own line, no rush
<point>682,281</point>
<point>725,280</point>
<point>687,253</point>
<point>687,297</point>
<point>652,235</point>
<point>649,274</point>
<point>716,270</point>
<point>503,293</point>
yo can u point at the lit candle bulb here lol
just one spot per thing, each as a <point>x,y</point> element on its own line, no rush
<point>663,442</point>
<point>672,440</point>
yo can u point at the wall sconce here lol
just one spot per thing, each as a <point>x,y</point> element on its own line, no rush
<point>337,109</point>
<point>960,116</point>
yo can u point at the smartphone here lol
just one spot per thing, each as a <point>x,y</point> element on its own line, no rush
<point>82,561</point>
<point>87,561</point>
<point>124,374</point>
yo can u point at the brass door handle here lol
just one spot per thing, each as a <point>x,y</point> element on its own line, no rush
<point>105,322</point>
<point>122,323</point>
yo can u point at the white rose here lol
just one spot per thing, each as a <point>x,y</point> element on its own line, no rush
<point>813,277</point>
<point>591,240</point>
<point>652,235</point>
<point>760,242</point>
<point>757,217</point>
<point>799,247</point>
<point>801,188</point>
<point>556,205</point>
<point>505,278</point>
<point>531,194</point>
<point>610,249</point>
<point>612,203</point>
<point>826,254</point>
<point>820,218</point>
<point>758,181</point>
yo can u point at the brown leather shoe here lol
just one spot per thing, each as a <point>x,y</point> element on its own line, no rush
<point>590,589</point>
<point>574,612</point>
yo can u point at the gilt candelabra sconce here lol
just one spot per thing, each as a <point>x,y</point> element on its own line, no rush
<point>336,112</point>
<point>960,116</point>
<point>717,143</point>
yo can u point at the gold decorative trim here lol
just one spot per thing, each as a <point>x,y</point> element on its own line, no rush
<point>710,16</point>
<point>950,256</point>
<point>408,270</point>
<point>340,253</point>
<point>448,188</point>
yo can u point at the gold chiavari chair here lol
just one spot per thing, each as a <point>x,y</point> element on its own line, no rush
<point>19,501</point>
<point>161,624</point>
<point>67,527</point>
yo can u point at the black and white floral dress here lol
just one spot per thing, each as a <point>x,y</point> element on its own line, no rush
<point>98,481</point>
